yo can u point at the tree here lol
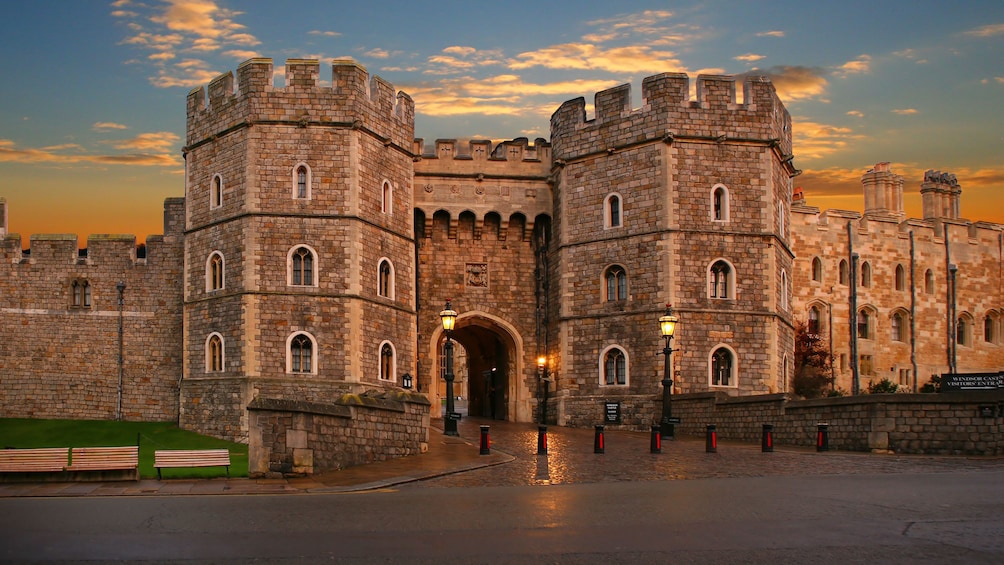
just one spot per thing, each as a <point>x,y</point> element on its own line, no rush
<point>812,364</point>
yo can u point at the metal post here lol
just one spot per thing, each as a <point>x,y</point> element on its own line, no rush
<point>121,288</point>
<point>767,443</point>
<point>711,439</point>
<point>449,421</point>
<point>541,440</point>
<point>666,428</point>
<point>822,437</point>
<point>598,446</point>
<point>655,445</point>
<point>486,442</point>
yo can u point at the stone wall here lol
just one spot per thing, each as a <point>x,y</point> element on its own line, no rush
<point>289,437</point>
<point>936,424</point>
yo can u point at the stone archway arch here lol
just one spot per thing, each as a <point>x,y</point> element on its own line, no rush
<point>493,374</point>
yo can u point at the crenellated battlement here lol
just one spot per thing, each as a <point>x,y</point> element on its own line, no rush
<point>353,99</point>
<point>668,113</point>
<point>513,151</point>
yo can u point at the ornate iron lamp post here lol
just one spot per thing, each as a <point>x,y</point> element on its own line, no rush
<point>449,317</point>
<point>545,382</point>
<point>667,323</point>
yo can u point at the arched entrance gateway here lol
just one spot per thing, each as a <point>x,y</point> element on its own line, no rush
<point>488,368</point>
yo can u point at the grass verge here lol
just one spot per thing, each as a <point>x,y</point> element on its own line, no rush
<point>150,436</point>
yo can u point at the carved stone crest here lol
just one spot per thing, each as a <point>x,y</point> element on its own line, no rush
<point>477,275</point>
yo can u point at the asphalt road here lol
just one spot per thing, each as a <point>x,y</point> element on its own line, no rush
<point>951,517</point>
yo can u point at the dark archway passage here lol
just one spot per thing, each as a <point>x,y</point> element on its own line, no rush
<point>489,368</point>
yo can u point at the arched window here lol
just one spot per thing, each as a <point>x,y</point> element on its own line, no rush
<point>929,282</point>
<point>842,272</point>
<point>719,203</point>
<point>80,290</point>
<point>897,326</point>
<point>784,289</point>
<point>216,192</point>
<point>386,198</point>
<point>387,361</point>
<point>864,325</point>
<point>214,271</point>
<point>616,279</point>
<point>990,328</point>
<point>302,265</point>
<point>214,353</point>
<point>900,277</point>
<point>720,281</point>
<point>301,182</point>
<point>964,331</point>
<point>723,367</point>
<point>300,356</point>
<point>817,269</point>
<point>813,326</point>
<point>614,367</point>
<point>612,211</point>
<point>385,279</point>
<point>866,274</point>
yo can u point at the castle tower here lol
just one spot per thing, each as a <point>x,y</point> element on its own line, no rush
<point>299,252</point>
<point>941,195</point>
<point>678,202</point>
<point>883,192</point>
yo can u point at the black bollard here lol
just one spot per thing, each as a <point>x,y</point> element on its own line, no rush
<point>541,440</point>
<point>656,445</point>
<point>711,441</point>
<point>822,437</point>
<point>598,440</point>
<point>486,448</point>
<point>767,444</point>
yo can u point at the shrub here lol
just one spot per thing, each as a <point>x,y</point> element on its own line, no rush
<point>883,386</point>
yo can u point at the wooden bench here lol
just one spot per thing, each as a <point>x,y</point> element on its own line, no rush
<point>105,459</point>
<point>174,458</point>
<point>39,460</point>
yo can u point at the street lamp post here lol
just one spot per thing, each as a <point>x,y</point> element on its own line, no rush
<point>545,382</point>
<point>121,288</point>
<point>449,317</point>
<point>667,323</point>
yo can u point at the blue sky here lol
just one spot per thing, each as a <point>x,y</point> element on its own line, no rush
<point>93,114</point>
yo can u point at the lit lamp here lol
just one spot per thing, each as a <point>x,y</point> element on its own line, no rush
<point>406,380</point>
<point>667,323</point>
<point>449,317</point>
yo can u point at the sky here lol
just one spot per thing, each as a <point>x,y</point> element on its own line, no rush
<point>92,101</point>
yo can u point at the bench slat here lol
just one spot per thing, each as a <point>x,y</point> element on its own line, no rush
<point>104,458</point>
<point>174,458</point>
<point>34,460</point>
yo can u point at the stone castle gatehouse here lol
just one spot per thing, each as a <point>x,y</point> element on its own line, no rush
<point>318,240</point>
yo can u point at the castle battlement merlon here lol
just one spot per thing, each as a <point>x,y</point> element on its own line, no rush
<point>514,151</point>
<point>668,114</point>
<point>354,98</point>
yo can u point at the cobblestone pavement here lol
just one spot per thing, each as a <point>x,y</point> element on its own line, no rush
<point>627,457</point>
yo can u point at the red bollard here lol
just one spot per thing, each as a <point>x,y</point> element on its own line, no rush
<point>598,440</point>
<point>711,441</point>
<point>656,445</point>
<point>767,445</point>
<point>486,448</point>
<point>822,437</point>
<point>541,440</point>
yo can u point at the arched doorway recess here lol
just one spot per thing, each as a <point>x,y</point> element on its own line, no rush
<point>491,371</point>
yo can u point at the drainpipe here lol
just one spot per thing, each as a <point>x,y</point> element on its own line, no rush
<point>953,360</point>
<point>121,288</point>
<point>829,327</point>
<point>855,375</point>
<point>913,313</point>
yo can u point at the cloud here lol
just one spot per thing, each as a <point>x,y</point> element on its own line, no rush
<point>775,33</point>
<point>159,141</point>
<point>71,154</point>
<point>498,95</point>
<point>456,59</point>
<point>856,113</point>
<point>649,24</point>
<point>814,140</point>
<point>861,65</point>
<point>178,29</point>
<point>459,50</point>
<point>905,111</point>
<point>104,126</point>
<point>586,56</point>
<point>325,33</point>
<point>749,57</point>
<point>987,30</point>
<point>794,83</point>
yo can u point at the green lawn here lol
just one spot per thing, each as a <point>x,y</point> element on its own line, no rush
<point>150,436</point>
